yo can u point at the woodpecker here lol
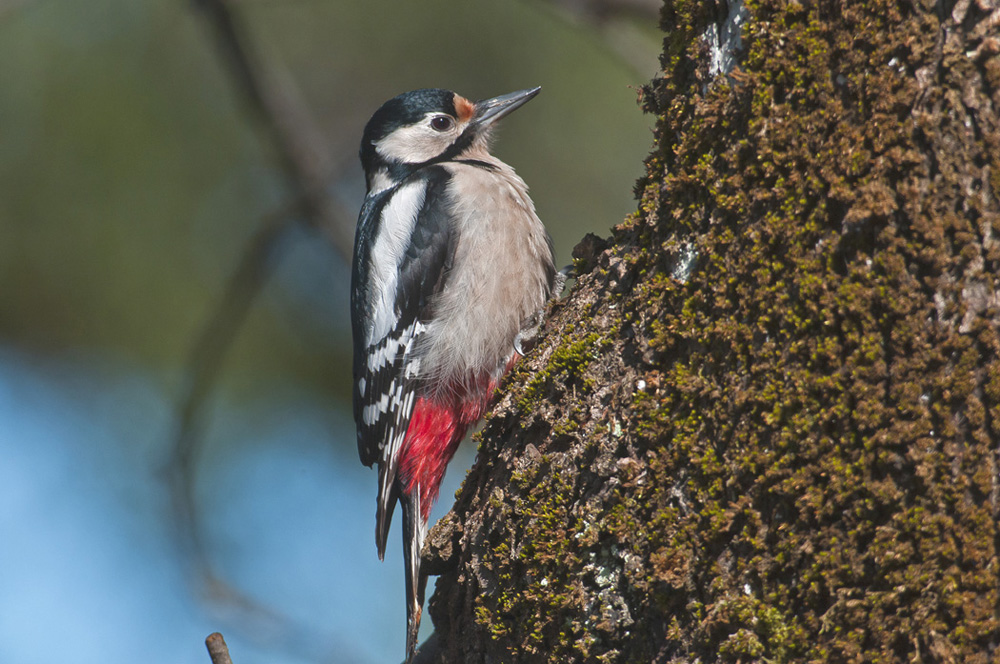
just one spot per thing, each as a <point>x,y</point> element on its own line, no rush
<point>452,270</point>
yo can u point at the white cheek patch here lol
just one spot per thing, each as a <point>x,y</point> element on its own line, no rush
<point>417,143</point>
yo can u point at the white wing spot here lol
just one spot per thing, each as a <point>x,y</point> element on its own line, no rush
<point>381,356</point>
<point>375,410</point>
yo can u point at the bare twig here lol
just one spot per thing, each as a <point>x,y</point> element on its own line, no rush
<point>217,649</point>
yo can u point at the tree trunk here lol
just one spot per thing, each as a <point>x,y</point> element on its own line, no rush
<point>764,424</point>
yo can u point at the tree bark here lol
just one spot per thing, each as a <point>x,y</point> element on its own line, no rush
<point>764,424</point>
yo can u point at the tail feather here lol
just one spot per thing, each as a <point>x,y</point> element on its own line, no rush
<point>383,514</point>
<point>414,533</point>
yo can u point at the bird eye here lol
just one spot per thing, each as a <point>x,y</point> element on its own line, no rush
<point>441,123</point>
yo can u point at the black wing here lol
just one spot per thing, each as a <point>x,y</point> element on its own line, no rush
<point>385,367</point>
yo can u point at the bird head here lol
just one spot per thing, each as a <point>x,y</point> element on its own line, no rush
<point>427,126</point>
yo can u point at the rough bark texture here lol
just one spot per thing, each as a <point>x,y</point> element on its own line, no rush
<point>764,424</point>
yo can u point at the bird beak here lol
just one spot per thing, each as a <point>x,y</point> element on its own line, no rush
<point>489,111</point>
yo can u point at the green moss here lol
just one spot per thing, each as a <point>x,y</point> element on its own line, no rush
<point>544,514</point>
<point>778,378</point>
<point>567,364</point>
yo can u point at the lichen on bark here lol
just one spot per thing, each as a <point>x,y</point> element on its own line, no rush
<point>764,424</point>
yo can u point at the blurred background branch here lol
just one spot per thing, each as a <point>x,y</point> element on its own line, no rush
<point>200,376</point>
<point>272,95</point>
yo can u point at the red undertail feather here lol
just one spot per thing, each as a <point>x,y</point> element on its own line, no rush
<point>434,434</point>
<point>437,426</point>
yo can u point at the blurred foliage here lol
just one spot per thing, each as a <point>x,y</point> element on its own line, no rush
<point>131,176</point>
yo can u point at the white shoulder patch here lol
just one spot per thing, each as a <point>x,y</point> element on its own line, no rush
<point>399,216</point>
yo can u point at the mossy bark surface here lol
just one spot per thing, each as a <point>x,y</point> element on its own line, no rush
<point>764,423</point>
